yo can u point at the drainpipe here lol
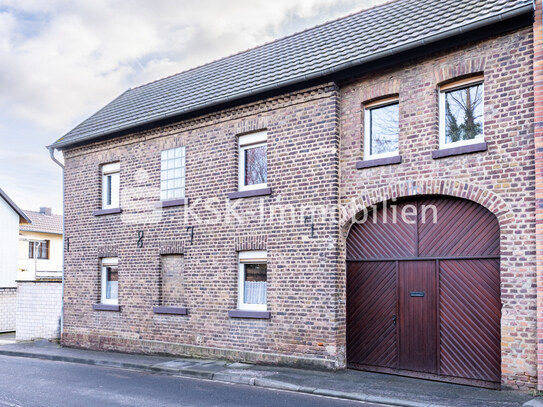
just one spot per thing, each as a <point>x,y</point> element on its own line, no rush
<point>52,155</point>
<point>538,139</point>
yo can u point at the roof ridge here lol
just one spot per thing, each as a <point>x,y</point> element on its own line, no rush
<point>39,213</point>
<point>267,43</point>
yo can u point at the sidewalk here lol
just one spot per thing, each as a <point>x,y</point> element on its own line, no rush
<point>348,384</point>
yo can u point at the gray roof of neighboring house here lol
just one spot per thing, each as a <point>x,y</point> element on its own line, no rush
<point>328,48</point>
<point>22,216</point>
<point>43,223</point>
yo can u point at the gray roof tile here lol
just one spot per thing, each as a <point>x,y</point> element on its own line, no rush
<point>43,223</point>
<point>310,53</point>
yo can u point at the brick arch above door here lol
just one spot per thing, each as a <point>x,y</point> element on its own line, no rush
<point>411,188</point>
<point>425,226</point>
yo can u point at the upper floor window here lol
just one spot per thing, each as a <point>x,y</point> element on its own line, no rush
<point>253,167</point>
<point>38,249</point>
<point>110,185</point>
<point>253,281</point>
<point>461,106</point>
<point>381,128</point>
<point>110,281</point>
<point>172,174</point>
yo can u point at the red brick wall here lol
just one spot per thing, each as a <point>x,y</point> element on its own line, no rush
<point>501,179</point>
<point>307,165</point>
<point>538,137</point>
<point>302,170</point>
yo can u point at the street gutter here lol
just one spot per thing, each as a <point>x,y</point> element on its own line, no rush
<point>235,378</point>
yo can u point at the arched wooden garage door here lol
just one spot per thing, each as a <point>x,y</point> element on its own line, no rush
<point>423,291</point>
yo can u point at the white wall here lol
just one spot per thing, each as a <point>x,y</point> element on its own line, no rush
<point>39,305</point>
<point>27,267</point>
<point>8,308</point>
<point>9,241</point>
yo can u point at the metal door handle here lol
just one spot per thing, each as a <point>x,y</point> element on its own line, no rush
<point>394,319</point>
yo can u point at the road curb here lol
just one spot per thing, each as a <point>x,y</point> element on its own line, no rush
<point>537,402</point>
<point>227,378</point>
<point>279,385</point>
<point>70,359</point>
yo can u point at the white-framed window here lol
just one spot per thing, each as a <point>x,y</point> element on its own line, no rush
<point>253,280</point>
<point>253,166</point>
<point>172,174</point>
<point>381,128</point>
<point>38,249</point>
<point>110,185</point>
<point>110,281</point>
<point>461,113</point>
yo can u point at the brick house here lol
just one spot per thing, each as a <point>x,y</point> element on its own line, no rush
<point>242,209</point>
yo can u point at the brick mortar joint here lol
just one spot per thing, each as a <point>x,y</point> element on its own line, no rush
<point>144,344</point>
<point>216,119</point>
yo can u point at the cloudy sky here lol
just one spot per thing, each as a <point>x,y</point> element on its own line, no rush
<point>61,60</point>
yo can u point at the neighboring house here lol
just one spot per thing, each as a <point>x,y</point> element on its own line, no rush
<point>11,217</point>
<point>412,110</point>
<point>40,246</point>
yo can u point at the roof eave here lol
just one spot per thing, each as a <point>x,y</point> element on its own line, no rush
<point>42,231</point>
<point>474,25</point>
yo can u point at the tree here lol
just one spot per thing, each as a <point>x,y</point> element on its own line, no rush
<point>465,105</point>
<point>453,131</point>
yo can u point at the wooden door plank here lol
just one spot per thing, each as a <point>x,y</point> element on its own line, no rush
<point>417,348</point>
<point>470,311</point>
<point>371,304</point>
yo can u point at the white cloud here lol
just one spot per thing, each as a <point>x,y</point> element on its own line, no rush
<point>80,55</point>
<point>61,60</point>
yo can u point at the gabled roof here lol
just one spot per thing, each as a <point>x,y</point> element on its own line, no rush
<point>43,223</point>
<point>359,38</point>
<point>22,216</point>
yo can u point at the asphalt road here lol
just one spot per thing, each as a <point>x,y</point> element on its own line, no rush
<point>39,383</point>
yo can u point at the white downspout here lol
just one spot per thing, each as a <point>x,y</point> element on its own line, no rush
<point>52,155</point>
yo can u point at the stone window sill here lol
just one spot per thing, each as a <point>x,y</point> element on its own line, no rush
<point>101,212</point>
<point>379,162</point>
<point>106,307</point>
<point>250,193</point>
<point>170,310</point>
<point>173,202</point>
<point>470,148</point>
<point>239,313</point>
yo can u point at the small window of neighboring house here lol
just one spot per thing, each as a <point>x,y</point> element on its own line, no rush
<point>253,170</point>
<point>381,128</point>
<point>461,113</point>
<point>253,281</point>
<point>110,281</point>
<point>38,249</point>
<point>110,185</point>
<point>172,174</point>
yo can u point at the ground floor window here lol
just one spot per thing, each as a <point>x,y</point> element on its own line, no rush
<point>110,281</point>
<point>253,280</point>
